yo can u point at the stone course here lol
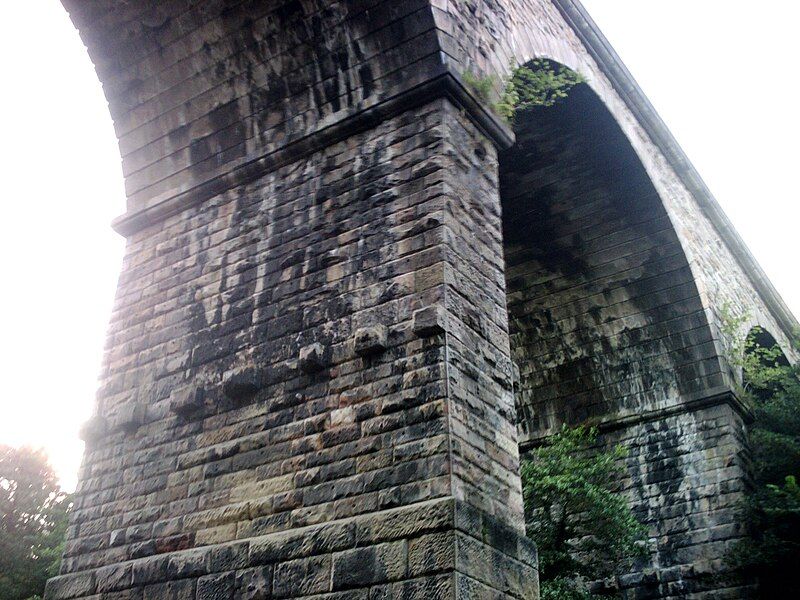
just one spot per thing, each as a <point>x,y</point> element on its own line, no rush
<point>435,549</point>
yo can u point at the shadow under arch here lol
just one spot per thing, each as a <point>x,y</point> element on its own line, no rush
<point>607,326</point>
<point>605,318</point>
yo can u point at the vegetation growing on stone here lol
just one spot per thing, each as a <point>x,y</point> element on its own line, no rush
<point>33,521</point>
<point>583,527</point>
<point>541,83</point>
<point>771,386</point>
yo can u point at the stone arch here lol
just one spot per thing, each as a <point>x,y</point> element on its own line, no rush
<point>275,198</point>
<point>596,273</point>
<point>608,327</point>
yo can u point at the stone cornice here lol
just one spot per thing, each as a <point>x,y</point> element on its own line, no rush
<point>446,85</point>
<point>704,399</point>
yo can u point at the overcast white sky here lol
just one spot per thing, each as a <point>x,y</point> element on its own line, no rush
<point>720,72</point>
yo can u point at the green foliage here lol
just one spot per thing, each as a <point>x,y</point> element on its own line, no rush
<point>774,546</point>
<point>33,521</point>
<point>543,83</point>
<point>565,588</point>
<point>772,510</point>
<point>583,528</point>
<point>482,87</point>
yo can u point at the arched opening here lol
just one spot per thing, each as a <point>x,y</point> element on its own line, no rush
<point>762,352</point>
<point>595,272</point>
<point>606,323</point>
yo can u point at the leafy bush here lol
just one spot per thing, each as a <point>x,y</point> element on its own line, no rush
<point>543,83</point>
<point>771,385</point>
<point>33,521</point>
<point>583,528</point>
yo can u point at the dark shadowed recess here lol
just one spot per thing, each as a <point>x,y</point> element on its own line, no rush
<point>593,267</point>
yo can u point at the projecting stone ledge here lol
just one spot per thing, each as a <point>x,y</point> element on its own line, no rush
<point>429,321</point>
<point>436,549</point>
<point>369,341</point>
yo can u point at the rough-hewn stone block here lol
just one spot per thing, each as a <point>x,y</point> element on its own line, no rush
<point>302,577</point>
<point>93,429</point>
<point>241,384</point>
<point>313,358</point>
<point>74,585</point>
<point>369,341</point>
<point>430,321</point>
<point>362,567</point>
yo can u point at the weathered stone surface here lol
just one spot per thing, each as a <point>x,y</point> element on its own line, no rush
<point>241,384</point>
<point>93,429</point>
<point>313,358</point>
<point>254,584</point>
<point>298,173</point>
<point>114,578</point>
<point>70,586</point>
<point>431,553</point>
<point>128,417</point>
<point>430,321</point>
<point>361,567</point>
<point>187,401</point>
<point>216,587</point>
<point>302,577</point>
<point>369,341</point>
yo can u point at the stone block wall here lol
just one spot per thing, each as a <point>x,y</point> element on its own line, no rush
<point>309,333</point>
<point>429,551</point>
<point>310,337</point>
<point>321,343</point>
<point>686,477</point>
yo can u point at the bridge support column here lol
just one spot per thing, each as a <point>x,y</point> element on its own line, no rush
<point>341,423</point>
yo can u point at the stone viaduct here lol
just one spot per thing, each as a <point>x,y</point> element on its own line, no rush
<point>352,296</point>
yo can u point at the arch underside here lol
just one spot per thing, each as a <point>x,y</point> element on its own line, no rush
<point>607,328</point>
<point>302,174</point>
<point>606,320</point>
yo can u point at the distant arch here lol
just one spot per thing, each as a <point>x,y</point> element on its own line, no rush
<point>762,346</point>
<point>760,337</point>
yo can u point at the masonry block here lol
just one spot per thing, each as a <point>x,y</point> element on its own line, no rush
<point>254,584</point>
<point>241,384</point>
<point>94,429</point>
<point>74,585</point>
<point>216,587</point>
<point>187,401</point>
<point>128,417</point>
<point>369,341</point>
<point>313,358</point>
<point>429,321</point>
<point>361,567</point>
<point>302,577</point>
